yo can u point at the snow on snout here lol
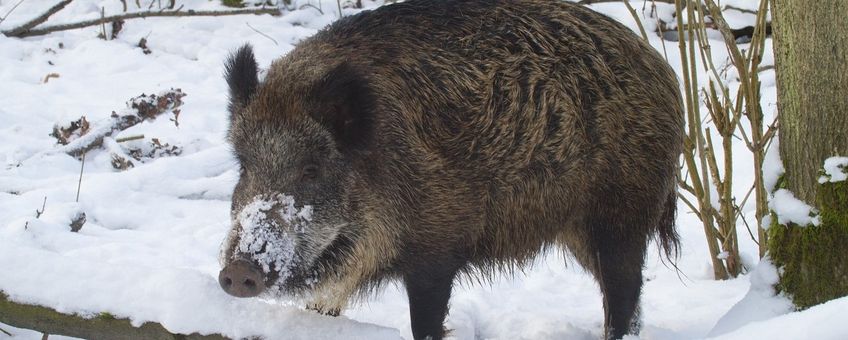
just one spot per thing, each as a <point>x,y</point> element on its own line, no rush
<point>273,223</point>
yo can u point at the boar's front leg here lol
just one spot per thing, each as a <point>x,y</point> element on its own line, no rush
<point>429,289</point>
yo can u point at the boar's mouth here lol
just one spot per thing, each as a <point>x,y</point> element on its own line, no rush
<point>335,253</point>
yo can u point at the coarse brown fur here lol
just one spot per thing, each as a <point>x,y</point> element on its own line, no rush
<point>478,134</point>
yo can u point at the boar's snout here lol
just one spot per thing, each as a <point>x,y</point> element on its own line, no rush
<point>242,279</point>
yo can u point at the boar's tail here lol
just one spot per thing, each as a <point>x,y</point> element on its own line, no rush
<point>666,233</point>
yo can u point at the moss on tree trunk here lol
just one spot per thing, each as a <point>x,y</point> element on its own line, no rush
<point>811,45</point>
<point>814,259</point>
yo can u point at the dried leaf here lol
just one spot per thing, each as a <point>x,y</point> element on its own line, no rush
<point>74,130</point>
<point>157,150</point>
<point>48,76</point>
<point>121,163</point>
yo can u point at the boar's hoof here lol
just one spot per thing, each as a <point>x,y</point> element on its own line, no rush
<point>241,279</point>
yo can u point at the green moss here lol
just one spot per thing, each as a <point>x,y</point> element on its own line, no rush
<point>781,183</point>
<point>105,316</point>
<point>233,3</point>
<point>814,259</point>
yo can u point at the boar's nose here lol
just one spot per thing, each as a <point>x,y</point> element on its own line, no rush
<point>241,279</point>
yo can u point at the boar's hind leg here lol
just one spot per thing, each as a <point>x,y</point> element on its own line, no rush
<point>429,290</point>
<point>616,255</point>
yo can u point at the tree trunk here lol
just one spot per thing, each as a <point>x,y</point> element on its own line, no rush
<point>811,56</point>
<point>811,52</point>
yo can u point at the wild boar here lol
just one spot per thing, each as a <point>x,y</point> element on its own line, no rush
<point>429,141</point>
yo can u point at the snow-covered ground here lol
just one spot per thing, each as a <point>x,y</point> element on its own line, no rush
<point>148,250</point>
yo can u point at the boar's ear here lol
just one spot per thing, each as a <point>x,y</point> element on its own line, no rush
<point>242,77</point>
<point>346,107</point>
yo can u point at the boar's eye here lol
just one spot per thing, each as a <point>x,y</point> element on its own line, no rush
<point>310,172</point>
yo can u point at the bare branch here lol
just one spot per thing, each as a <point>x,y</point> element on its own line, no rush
<point>636,17</point>
<point>734,8</point>
<point>690,204</point>
<point>772,129</point>
<point>685,186</point>
<point>37,20</point>
<point>136,15</point>
<point>745,200</point>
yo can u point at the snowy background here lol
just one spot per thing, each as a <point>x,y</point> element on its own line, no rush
<point>148,250</point>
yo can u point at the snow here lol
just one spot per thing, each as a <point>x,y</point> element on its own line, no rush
<point>772,166</point>
<point>790,209</point>
<point>760,303</point>
<point>149,249</point>
<point>835,170</point>
<point>825,321</point>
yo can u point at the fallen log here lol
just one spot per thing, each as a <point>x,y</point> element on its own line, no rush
<point>104,326</point>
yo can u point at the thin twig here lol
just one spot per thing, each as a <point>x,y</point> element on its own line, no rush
<point>749,11</point>
<point>313,6</point>
<point>37,20</point>
<point>136,15</point>
<point>687,187</point>
<point>635,17</point>
<point>339,3</point>
<point>5,332</point>
<point>750,233</point>
<point>103,23</point>
<point>79,184</point>
<point>690,204</point>
<point>43,205</point>
<point>745,200</point>
<point>11,10</point>
<point>262,34</point>
<point>770,132</point>
<point>659,27</point>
